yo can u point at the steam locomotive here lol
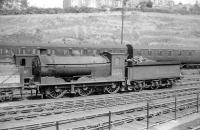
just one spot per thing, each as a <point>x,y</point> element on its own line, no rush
<point>55,76</point>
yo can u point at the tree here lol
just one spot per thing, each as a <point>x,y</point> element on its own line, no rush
<point>196,9</point>
<point>2,3</point>
<point>24,4</point>
<point>144,4</point>
<point>149,4</point>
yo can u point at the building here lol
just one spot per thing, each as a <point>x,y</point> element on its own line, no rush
<point>112,3</point>
<point>92,3</point>
<point>80,3</point>
<point>165,3</point>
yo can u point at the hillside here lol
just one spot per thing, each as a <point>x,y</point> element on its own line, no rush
<point>140,28</point>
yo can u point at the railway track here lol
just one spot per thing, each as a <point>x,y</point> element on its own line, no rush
<point>161,110</point>
<point>137,117</point>
<point>33,111</point>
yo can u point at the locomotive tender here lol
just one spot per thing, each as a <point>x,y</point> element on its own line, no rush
<point>55,76</point>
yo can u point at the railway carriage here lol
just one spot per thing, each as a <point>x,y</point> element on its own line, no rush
<point>60,48</point>
<point>187,56</point>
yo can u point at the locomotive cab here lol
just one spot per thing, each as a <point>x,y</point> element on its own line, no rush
<point>25,60</point>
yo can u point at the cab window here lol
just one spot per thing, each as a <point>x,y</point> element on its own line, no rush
<point>23,62</point>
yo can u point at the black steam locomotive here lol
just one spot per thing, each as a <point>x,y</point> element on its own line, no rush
<point>110,72</point>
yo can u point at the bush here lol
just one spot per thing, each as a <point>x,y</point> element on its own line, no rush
<point>149,4</point>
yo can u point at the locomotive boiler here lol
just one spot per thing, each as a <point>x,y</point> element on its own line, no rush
<point>46,67</point>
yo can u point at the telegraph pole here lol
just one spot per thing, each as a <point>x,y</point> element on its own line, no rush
<point>122,29</point>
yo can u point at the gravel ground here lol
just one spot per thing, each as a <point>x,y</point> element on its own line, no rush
<point>185,123</point>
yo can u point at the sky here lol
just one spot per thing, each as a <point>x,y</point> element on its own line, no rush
<point>46,3</point>
<point>185,1</point>
<point>58,3</point>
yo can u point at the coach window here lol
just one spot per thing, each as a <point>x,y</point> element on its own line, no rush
<point>23,50</point>
<point>33,51</point>
<point>85,51</point>
<point>160,53</point>
<point>94,52</point>
<point>149,52</point>
<point>169,53</point>
<point>98,52</point>
<point>43,51</point>
<point>122,51</point>
<point>7,51</point>
<point>49,51</point>
<point>139,52</point>
<point>90,52</point>
<point>70,51</point>
<point>117,61</point>
<point>12,51</point>
<point>53,52</point>
<point>190,53</point>
<point>66,52</point>
<point>180,53</point>
<point>23,62</point>
<point>76,53</point>
<point>1,51</point>
<point>38,51</point>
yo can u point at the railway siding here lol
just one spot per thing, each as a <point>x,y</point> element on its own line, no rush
<point>127,115</point>
<point>22,112</point>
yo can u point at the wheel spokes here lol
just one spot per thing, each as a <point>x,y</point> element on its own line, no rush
<point>53,92</point>
<point>154,85</point>
<point>137,87</point>
<point>114,88</point>
<point>85,91</point>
